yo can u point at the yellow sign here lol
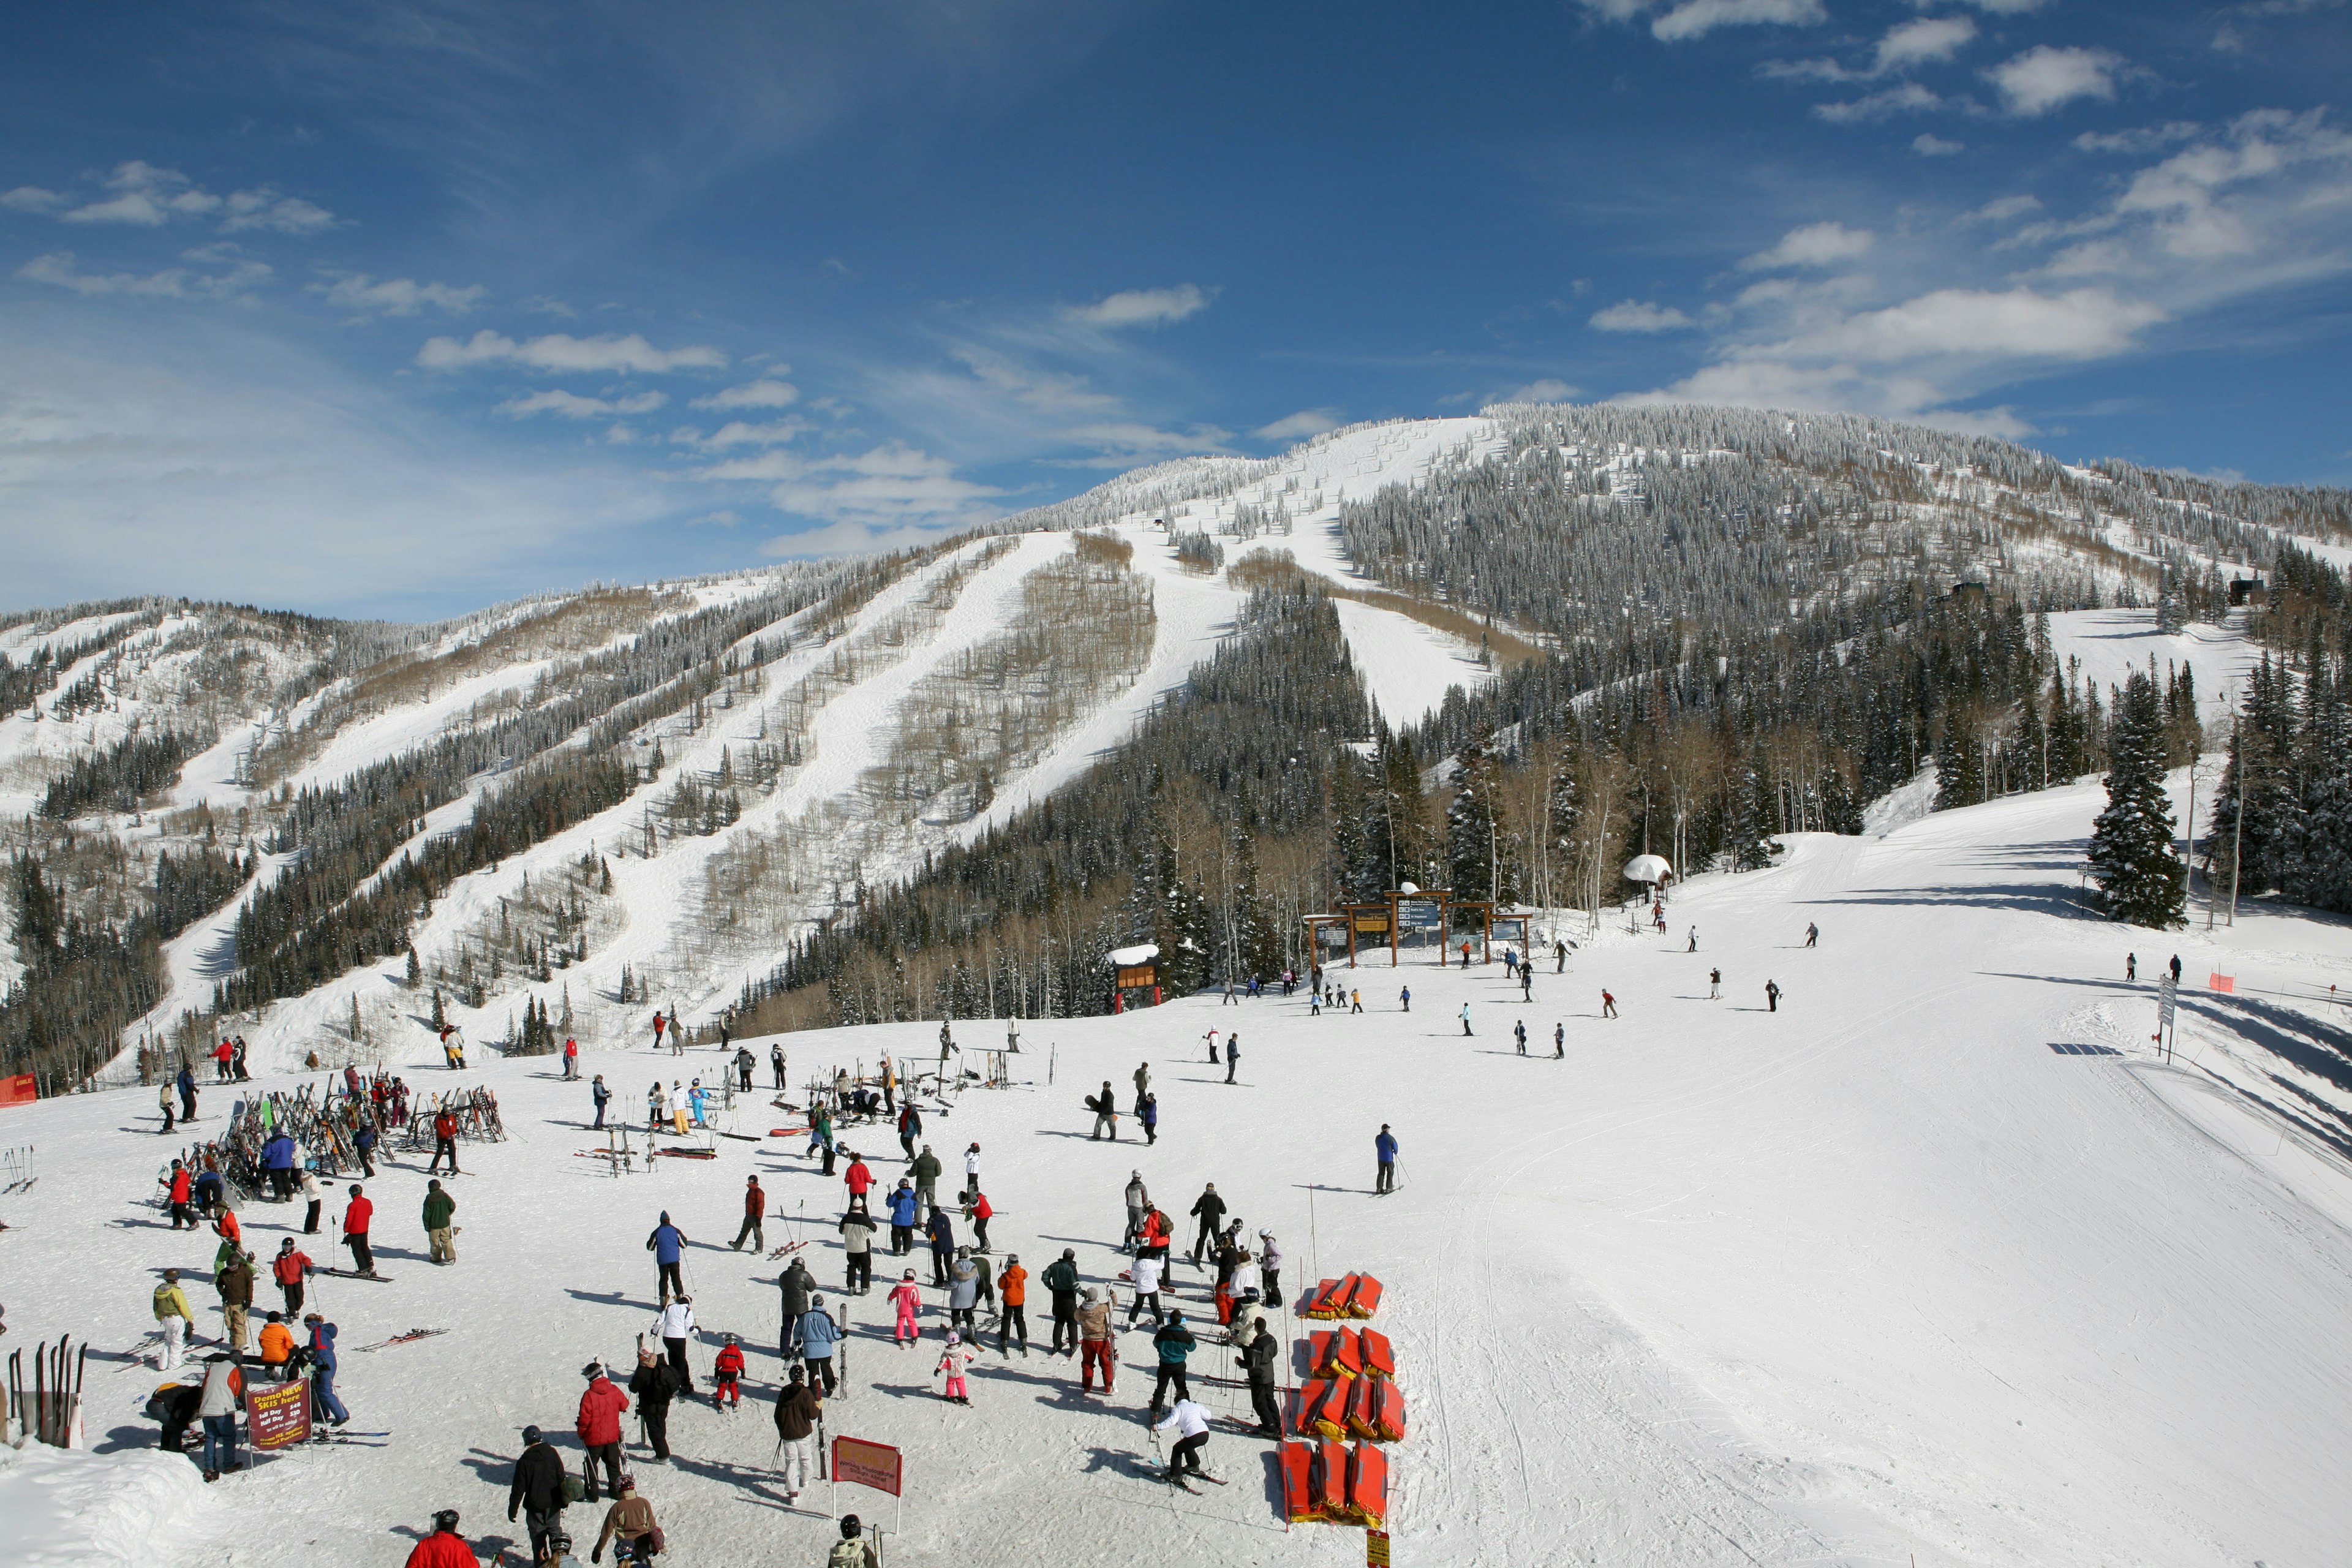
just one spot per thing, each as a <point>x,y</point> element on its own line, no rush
<point>1376,1549</point>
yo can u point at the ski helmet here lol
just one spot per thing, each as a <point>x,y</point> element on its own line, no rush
<point>444,1519</point>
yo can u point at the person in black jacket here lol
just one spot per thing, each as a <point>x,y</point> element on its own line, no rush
<point>1258,1363</point>
<point>943,1237</point>
<point>1209,1209</point>
<point>653,1382</point>
<point>538,1488</point>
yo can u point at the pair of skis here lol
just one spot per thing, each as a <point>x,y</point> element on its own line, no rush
<point>411,1336</point>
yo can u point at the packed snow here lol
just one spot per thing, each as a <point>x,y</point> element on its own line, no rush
<point>1940,1262</point>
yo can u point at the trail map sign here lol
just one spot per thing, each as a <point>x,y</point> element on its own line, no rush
<point>875,1465</point>
<point>1376,1549</point>
<point>278,1412</point>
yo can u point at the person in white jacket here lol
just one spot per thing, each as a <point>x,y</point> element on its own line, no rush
<point>217,1407</point>
<point>676,1327</point>
<point>1145,1272</point>
<point>1190,1423</point>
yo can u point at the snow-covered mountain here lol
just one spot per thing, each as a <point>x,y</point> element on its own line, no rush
<point>795,736</point>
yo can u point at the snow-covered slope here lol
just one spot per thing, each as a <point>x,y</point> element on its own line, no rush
<point>1938,1262</point>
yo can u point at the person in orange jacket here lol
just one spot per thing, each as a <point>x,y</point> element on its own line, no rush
<point>1012,1290</point>
<point>445,1547</point>
<point>599,1426</point>
<point>276,1347</point>
<point>725,1374</point>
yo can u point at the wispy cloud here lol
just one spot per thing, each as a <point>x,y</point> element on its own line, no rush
<point>568,405</point>
<point>367,296</point>
<point>1299,426</point>
<point>1639,316</point>
<point>2047,77</point>
<point>1676,20</point>
<point>32,199</point>
<point>218,273</point>
<point>147,196</point>
<point>1144,306</point>
<point>2142,139</point>
<point>1910,97</point>
<point>1814,245</point>
<point>887,487</point>
<point>560,351</point>
<point>765,393</point>
<point>1927,41</point>
<point>1929,145</point>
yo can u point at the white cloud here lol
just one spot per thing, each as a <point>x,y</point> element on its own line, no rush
<point>723,518</point>
<point>2046,76</point>
<point>2189,197</point>
<point>560,351</point>
<point>2003,208</point>
<point>1122,443</point>
<point>764,393</point>
<point>1696,18</point>
<point>396,295</point>
<point>1814,245</point>
<point>230,276</point>
<point>892,486</point>
<point>145,196</point>
<point>1550,389</point>
<point>1993,8</point>
<point>568,405</point>
<point>739,432</point>
<point>1639,316</point>
<point>1928,145</point>
<point>1144,306</point>
<point>1927,41</point>
<point>2018,323</point>
<point>2142,138</point>
<point>31,199</point>
<point>1297,426</point>
<point>265,208</point>
<point>1908,99</point>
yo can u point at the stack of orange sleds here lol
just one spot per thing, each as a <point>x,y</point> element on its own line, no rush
<point>1352,1392</point>
<point>1357,1296</point>
<point>1331,1482</point>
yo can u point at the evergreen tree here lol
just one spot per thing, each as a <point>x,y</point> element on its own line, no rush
<point>440,1022</point>
<point>1474,851</point>
<point>2141,880</point>
<point>415,972</point>
<point>1752,844</point>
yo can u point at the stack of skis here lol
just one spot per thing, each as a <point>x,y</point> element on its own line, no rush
<point>49,1409</point>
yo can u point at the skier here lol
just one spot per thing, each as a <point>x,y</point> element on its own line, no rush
<point>1559,1042</point>
<point>1257,1364</point>
<point>1174,1341</point>
<point>1559,957</point>
<point>1608,1005</point>
<point>905,1300</point>
<point>1142,1084</point>
<point>850,1551</point>
<point>290,1268</point>
<point>2131,966</point>
<point>1526,983</point>
<point>1520,1031</point>
<point>727,1375</point>
<point>602,1096</point>
<point>1771,996</point>
<point>676,1325</point>
<point>1384,1148</point>
<point>1092,1332</point>
<point>277,1344</point>
<point>659,1024</point>
<point>654,1384</point>
<point>1150,1119</point>
<point>627,1523</point>
<point>188,1083</point>
<point>744,1066</point>
<point>356,1215</point>
<point>942,1234</point>
<point>926,1172</point>
<point>821,1138</point>
<point>667,1244</point>
<point>1233,1053</point>
<point>2176,969</point>
<point>1139,1203</point>
<point>1356,1000</point>
<point>910,1126</point>
<point>952,1362</point>
<point>1694,941</point>
<point>1813,934</point>
<point>1404,997</point>
<point>174,1317</point>
<point>445,1547</point>
<point>755,1209</point>
<point>1146,1276</point>
<point>971,1169</point>
<point>857,1229</point>
<point>857,1178</point>
<point>163,1099</point>
<point>1105,1111</point>
<point>1269,1269</point>
<point>776,1062</point>
<point>798,1409</point>
<point>182,1190</point>
<point>1212,1038</point>
<point>1465,1018</point>
<point>278,1164</point>
<point>978,1211</point>
<point>1714,984</point>
<point>324,1365</point>
<point>571,1060</point>
<point>1014,1288</point>
<point>1210,1210</point>
<point>440,1237</point>
<point>363,1142</point>
<point>963,1291</point>
<point>599,1428</point>
<point>902,1218</point>
<point>1061,1279</point>
<point>536,1486</point>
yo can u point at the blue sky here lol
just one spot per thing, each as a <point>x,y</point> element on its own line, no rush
<point>397,309</point>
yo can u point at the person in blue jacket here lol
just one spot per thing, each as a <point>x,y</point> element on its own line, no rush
<point>1174,1341</point>
<point>602,1097</point>
<point>1385,1148</point>
<point>942,1237</point>
<point>187,1094</point>
<point>278,1159</point>
<point>817,1333</point>
<point>667,1244</point>
<point>902,1219</point>
<point>364,1142</point>
<point>324,1362</point>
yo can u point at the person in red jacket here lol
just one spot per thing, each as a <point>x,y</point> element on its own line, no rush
<point>979,1210</point>
<point>725,1374</point>
<point>291,1267</point>
<point>444,1141</point>
<point>858,1177</point>
<point>445,1547</point>
<point>182,1190</point>
<point>755,1209</point>
<point>355,1231</point>
<point>224,1055</point>
<point>599,1426</point>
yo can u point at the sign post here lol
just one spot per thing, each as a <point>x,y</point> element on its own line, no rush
<point>1376,1549</point>
<point>2167,991</point>
<point>865,1464</point>
<point>279,1414</point>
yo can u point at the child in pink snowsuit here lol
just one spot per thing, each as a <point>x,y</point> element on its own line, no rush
<point>905,1296</point>
<point>952,1363</point>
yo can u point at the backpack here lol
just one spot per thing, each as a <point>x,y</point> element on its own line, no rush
<point>848,1552</point>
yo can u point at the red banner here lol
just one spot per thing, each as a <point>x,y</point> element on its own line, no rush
<point>875,1465</point>
<point>18,1089</point>
<point>2223,983</point>
<point>279,1414</point>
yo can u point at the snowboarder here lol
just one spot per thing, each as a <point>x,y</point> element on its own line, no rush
<point>174,1317</point>
<point>797,1411</point>
<point>599,1428</point>
<point>667,1244</point>
<point>1771,996</point>
<point>676,1325</point>
<point>857,1229</point>
<point>1105,1111</point>
<point>1466,1019</point>
<point>755,1210</point>
<point>1091,1331</point>
<point>1384,1148</point>
<point>1210,1210</point>
<point>655,1382</point>
<point>952,1364</point>
<point>905,1300</point>
<point>1174,1341</point>
<point>538,1487</point>
<point>1061,1279</point>
<point>1013,1288</point>
<point>441,1238</point>
<point>357,1214</point>
<point>727,1375</point>
<point>1608,1005</point>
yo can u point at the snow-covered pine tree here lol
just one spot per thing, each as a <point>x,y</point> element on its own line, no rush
<point>2141,880</point>
<point>1473,822</point>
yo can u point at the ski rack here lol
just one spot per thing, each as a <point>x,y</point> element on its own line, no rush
<point>17,1168</point>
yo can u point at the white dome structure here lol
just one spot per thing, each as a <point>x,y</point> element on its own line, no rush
<point>1649,868</point>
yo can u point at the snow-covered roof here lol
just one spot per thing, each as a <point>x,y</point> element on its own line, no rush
<point>1127,957</point>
